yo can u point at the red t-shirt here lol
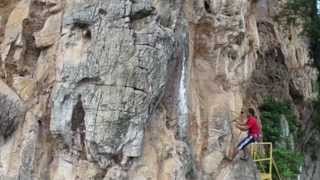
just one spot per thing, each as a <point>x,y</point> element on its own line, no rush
<point>253,126</point>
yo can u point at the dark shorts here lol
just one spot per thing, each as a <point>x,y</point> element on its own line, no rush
<point>245,142</point>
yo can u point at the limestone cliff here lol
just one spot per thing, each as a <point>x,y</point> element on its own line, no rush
<point>141,89</point>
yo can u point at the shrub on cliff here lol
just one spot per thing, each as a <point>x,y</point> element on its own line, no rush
<point>288,160</point>
<point>271,112</point>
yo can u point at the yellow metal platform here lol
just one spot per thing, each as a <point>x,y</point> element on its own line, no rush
<point>265,176</point>
<point>261,153</point>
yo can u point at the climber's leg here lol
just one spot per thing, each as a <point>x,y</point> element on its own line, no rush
<point>241,146</point>
<point>245,154</point>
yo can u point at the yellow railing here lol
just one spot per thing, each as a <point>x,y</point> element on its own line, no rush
<point>261,153</point>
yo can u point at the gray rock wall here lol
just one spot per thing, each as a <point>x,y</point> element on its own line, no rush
<point>117,71</point>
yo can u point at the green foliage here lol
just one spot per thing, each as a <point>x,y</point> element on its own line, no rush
<point>306,11</point>
<point>306,14</point>
<point>271,112</point>
<point>288,161</point>
<point>294,10</point>
<point>303,12</point>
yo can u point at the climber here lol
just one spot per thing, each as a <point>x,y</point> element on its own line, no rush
<point>254,134</point>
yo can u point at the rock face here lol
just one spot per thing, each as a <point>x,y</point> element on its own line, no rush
<point>114,70</point>
<point>12,110</point>
<point>140,89</point>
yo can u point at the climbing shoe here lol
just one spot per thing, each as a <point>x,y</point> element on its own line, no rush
<point>244,158</point>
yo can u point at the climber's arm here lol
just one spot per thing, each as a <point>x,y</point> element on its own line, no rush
<point>241,123</point>
<point>242,127</point>
<point>239,120</point>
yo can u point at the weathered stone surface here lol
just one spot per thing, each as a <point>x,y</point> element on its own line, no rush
<point>239,170</point>
<point>26,87</point>
<point>12,110</point>
<point>117,73</point>
<point>224,43</point>
<point>116,173</point>
<point>163,156</point>
<point>50,33</point>
<point>311,170</point>
<point>45,69</point>
<point>1,29</point>
<point>207,164</point>
<point>19,152</point>
<point>64,168</point>
<point>14,27</point>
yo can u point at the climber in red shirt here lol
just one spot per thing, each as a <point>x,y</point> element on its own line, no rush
<point>254,134</point>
